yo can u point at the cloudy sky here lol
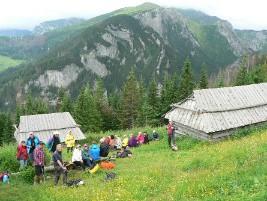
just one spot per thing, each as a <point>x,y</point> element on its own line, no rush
<point>28,13</point>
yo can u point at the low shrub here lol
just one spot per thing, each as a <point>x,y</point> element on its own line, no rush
<point>27,175</point>
<point>8,160</point>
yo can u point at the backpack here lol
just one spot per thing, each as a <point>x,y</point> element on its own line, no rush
<point>75,183</point>
<point>110,176</point>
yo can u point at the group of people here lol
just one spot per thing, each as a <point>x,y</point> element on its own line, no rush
<point>82,156</point>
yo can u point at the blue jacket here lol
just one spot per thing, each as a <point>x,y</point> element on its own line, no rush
<point>94,152</point>
<point>29,143</point>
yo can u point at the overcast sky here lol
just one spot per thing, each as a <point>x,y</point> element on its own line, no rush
<point>28,13</point>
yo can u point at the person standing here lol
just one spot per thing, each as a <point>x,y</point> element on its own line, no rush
<point>32,142</point>
<point>70,141</point>
<point>53,142</point>
<point>22,155</point>
<point>171,134</point>
<point>58,166</point>
<point>39,161</point>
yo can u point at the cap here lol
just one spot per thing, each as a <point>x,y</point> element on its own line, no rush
<point>41,142</point>
<point>85,145</point>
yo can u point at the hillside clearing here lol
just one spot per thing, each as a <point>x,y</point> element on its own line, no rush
<point>7,62</point>
<point>233,169</point>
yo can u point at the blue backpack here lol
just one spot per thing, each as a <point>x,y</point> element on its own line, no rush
<point>95,152</point>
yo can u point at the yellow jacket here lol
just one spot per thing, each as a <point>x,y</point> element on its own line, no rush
<point>125,142</point>
<point>70,140</point>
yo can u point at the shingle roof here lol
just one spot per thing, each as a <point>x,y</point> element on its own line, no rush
<point>212,110</point>
<point>43,125</point>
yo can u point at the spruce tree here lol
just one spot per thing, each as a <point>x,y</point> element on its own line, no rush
<point>130,102</point>
<point>242,76</point>
<point>66,104</point>
<point>8,130</point>
<point>153,103</point>
<point>186,82</point>
<point>86,112</point>
<point>203,82</point>
<point>103,106</point>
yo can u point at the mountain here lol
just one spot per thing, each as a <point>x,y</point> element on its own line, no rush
<point>151,39</point>
<point>47,26</point>
<point>14,32</point>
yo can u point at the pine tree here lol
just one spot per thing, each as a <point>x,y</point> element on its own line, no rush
<point>169,92</point>
<point>66,104</point>
<point>153,103</point>
<point>103,105</point>
<point>203,82</point>
<point>130,102</point>
<point>186,84</point>
<point>86,112</point>
<point>8,130</point>
<point>242,76</point>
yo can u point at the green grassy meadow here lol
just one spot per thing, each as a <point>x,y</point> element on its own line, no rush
<point>233,169</point>
<point>7,62</point>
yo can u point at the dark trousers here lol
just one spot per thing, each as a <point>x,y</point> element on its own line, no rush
<point>69,149</point>
<point>79,164</point>
<point>58,172</point>
<point>88,163</point>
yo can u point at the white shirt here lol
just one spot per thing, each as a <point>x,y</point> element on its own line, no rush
<point>77,155</point>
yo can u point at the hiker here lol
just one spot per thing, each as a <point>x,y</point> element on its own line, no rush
<point>125,141</point>
<point>22,155</point>
<point>155,135</point>
<point>94,152</point>
<point>53,142</point>
<point>32,142</point>
<point>70,141</point>
<point>77,157</point>
<point>171,135</point>
<point>132,141</point>
<point>39,161</point>
<point>87,160</point>
<point>58,165</point>
<point>125,152</point>
<point>4,177</point>
<point>104,148</point>
<point>146,138</point>
<point>118,143</point>
<point>140,138</point>
<point>112,142</point>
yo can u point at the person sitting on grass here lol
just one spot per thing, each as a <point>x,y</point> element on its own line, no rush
<point>70,141</point>
<point>104,148</point>
<point>22,155</point>
<point>58,166</point>
<point>146,138</point>
<point>132,141</point>
<point>94,152</point>
<point>87,160</point>
<point>39,162</point>
<point>77,157</point>
<point>155,135</point>
<point>118,144</point>
<point>140,138</point>
<point>125,141</point>
<point>124,153</point>
<point>4,177</point>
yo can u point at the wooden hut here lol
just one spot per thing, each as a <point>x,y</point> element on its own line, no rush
<point>44,125</point>
<point>212,114</point>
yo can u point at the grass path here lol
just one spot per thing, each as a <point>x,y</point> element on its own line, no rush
<point>227,170</point>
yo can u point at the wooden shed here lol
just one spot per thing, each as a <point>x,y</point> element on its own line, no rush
<point>43,126</point>
<point>211,114</point>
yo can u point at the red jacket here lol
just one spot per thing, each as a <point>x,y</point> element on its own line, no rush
<point>22,153</point>
<point>170,129</point>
